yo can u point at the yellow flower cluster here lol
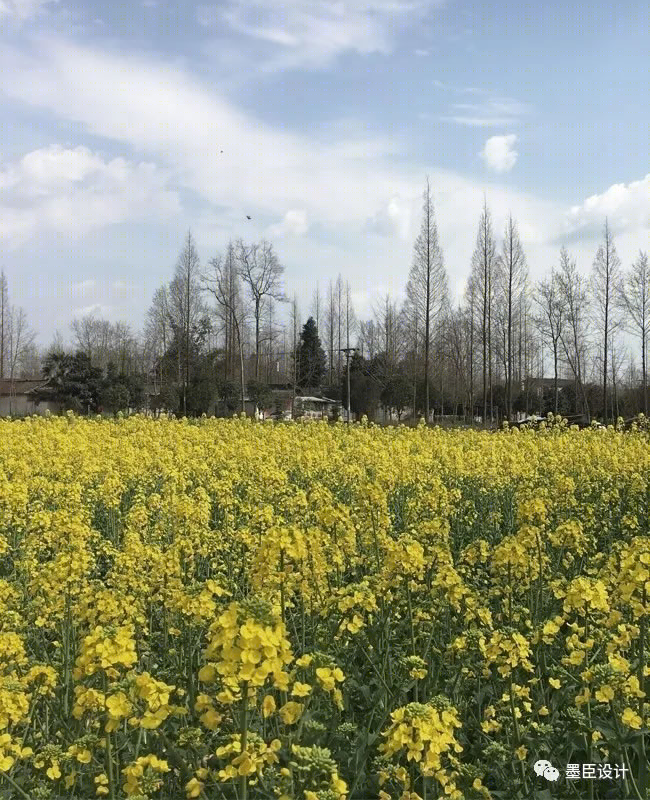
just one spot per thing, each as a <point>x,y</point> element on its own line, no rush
<point>247,645</point>
<point>426,734</point>
<point>144,775</point>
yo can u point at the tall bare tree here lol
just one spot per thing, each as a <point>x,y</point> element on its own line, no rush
<point>261,273</point>
<point>369,339</point>
<point>157,330</point>
<point>427,287</point>
<point>185,308</point>
<point>316,304</point>
<point>482,275</point>
<point>331,326</point>
<point>340,320</point>
<point>471,315</point>
<point>294,321</point>
<point>218,282</point>
<point>635,302</point>
<point>20,340</point>
<point>573,296</point>
<point>550,321</point>
<point>606,288</point>
<point>387,325</point>
<point>512,265</point>
<point>4,318</point>
<point>86,330</point>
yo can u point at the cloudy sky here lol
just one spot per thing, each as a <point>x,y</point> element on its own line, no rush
<point>123,124</point>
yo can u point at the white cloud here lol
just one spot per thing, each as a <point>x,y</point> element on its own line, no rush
<point>23,9</point>
<point>490,112</point>
<point>96,309</point>
<point>82,288</point>
<point>393,218</point>
<point>261,168</point>
<point>343,189</point>
<point>312,33</point>
<point>625,205</point>
<point>499,153</point>
<point>73,191</point>
<point>294,223</point>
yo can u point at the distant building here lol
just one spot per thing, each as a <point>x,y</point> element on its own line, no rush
<point>19,398</point>
<point>285,405</point>
<point>312,407</point>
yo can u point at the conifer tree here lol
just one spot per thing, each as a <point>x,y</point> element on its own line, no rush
<point>310,356</point>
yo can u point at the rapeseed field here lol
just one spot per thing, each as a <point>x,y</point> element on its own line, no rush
<point>224,609</point>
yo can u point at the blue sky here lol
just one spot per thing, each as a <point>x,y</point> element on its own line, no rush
<point>329,114</point>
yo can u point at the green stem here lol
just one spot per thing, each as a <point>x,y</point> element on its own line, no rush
<point>408,597</point>
<point>515,722</point>
<point>637,794</point>
<point>243,781</point>
<point>15,785</point>
<point>643,763</point>
<point>109,750</point>
<point>590,732</point>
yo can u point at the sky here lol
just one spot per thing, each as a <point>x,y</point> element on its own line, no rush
<point>124,124</point>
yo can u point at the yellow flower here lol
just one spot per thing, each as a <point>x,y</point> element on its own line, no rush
<point>631,719</point>
<point>193,788</point>
<point>291,712</point>
<point>6,763</point>
<point>268,705</point>
<point>53,772</point>
<point>604,694</point>
<point>555,683</point>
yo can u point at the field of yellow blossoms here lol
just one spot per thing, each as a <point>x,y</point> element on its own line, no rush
<point>229,609</point>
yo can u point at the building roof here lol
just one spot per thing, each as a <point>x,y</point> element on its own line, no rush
<point>316,399</point>
<point>20,385</point>
<point>550,382</point>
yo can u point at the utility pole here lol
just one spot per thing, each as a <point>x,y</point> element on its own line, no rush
<point>348,355</point>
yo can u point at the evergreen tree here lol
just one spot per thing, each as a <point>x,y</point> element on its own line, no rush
<point>310,356</point>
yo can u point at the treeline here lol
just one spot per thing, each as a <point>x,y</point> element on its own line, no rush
<point>227,330</point>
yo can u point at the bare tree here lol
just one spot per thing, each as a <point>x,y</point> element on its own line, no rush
<point>368,339</point>
<point>350,316</point>
<point>512,265</point>
<point>483,267</point>
<point>635,302</point>
<point>218,282</point>
<point>316,306</point>
<point>427,287</point>
<point>387,323</point>
<point>471,315</point>
<point>224,315</point>
<point>20,340</point>
<point>185,308</point>
<point>157,329</point>
<point>261,273</point>
<point>606,289</point>
<point>574,299</point>
<point>550,321</point>
<point>4,318</point>
<point>459,351</point>
<point>85,330</point>
<point>295,350</point>
<point>331,325</point>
